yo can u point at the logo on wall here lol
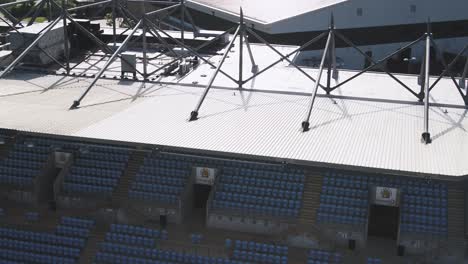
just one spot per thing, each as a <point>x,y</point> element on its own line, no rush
<point>205,175</point>
<point>386,196</point>
<point>386,193</point>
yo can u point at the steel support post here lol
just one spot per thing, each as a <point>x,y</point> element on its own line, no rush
<point>463,78</point>
<point>145,45</point>
<point>49,10</point>
<point>282,56</point>
<point>426,136</point>
<point>114,23</point>
<point>194,113</point>
<point>241,48</point>
<point>182,19</point>
<point>329,55</point>
<point>108,63</point>
<point>305,124</point>
<point>421,79</point>
<point>252,59</point>
<point>65,36</point>
<point>31,46</point>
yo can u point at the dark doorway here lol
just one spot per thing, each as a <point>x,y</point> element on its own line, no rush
<point>383,221</point>
<point>201,193</point>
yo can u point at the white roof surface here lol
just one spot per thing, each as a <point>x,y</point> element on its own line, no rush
<point>264,11</point>
<point>352,128</point>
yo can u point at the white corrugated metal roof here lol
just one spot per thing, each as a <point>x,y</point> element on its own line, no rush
<point>263,11</point>
<point>353,128</point>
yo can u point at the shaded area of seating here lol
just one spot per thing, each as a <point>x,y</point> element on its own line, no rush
<point>136,244</point>
<point>161,178</point>
<point>265,190</point>
<point>23,163</point>
<point>63,246</point>
<point>374,260</point>
<point>344,200</point>
<point>254,252</point>
<point>319,256</point>
<point>96,170</point>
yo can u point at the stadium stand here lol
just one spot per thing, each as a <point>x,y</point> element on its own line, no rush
<point>136,244</point>
<point>161,178</point>
<point>251,251</point>
<point>63,246</point>
<point>259,190</point>
<point>344,200</point>
<point>96,170</point>
<point>23,163</point>
<point>317,256</point>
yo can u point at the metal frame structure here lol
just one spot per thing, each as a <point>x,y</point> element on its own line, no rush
<point>149,23</point>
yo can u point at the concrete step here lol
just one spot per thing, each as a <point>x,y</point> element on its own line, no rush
<point>92,246</point>
<point>310,198</point>
<point>134,162</point>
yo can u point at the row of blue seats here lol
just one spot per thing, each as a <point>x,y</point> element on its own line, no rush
<point>14,171</point>
<point>28,257</point>
<point>101,172</point>
<point>245,180</point>
<point>108,157</point>
<point>196,238</point>
<point>270,192</point>
<point>85,188</point>
<point>159,188</point>
<point>49,142</point>
<point>347,192</point>
<point>426,201</point>
<point>422,219</point>
<point>97,163</point>
<point>139,195</point>
<point>77,222</point>
<point>278,175</point>
<point>134,230</point>
<point>167,163</point>
<point>170,172</point>
<point>41,237</point>
<point>255,257</point>
<point>251,208</point>
<point>130,239</point>
<point>28,155</point>
<point>31,148</point>
<point>261,247</point>
<point>167,180</point>
<point>342,200</point>
<point>374,260</point>
<point>91,180</point>
<point>426,191</point>
<point>28,246</point>
<point>171,258</point>
<point>259,200</point>
<point>342,210</point>
<point>385,181</point>
<point>31,216</point>
<point>424,210</point>
<point>340,219</point>
<point>346,183</point>
<point>324,255</point>
<point>9,162</point>
<point>17,180</point>
<point>72,231</point>
<point>423,228</point>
